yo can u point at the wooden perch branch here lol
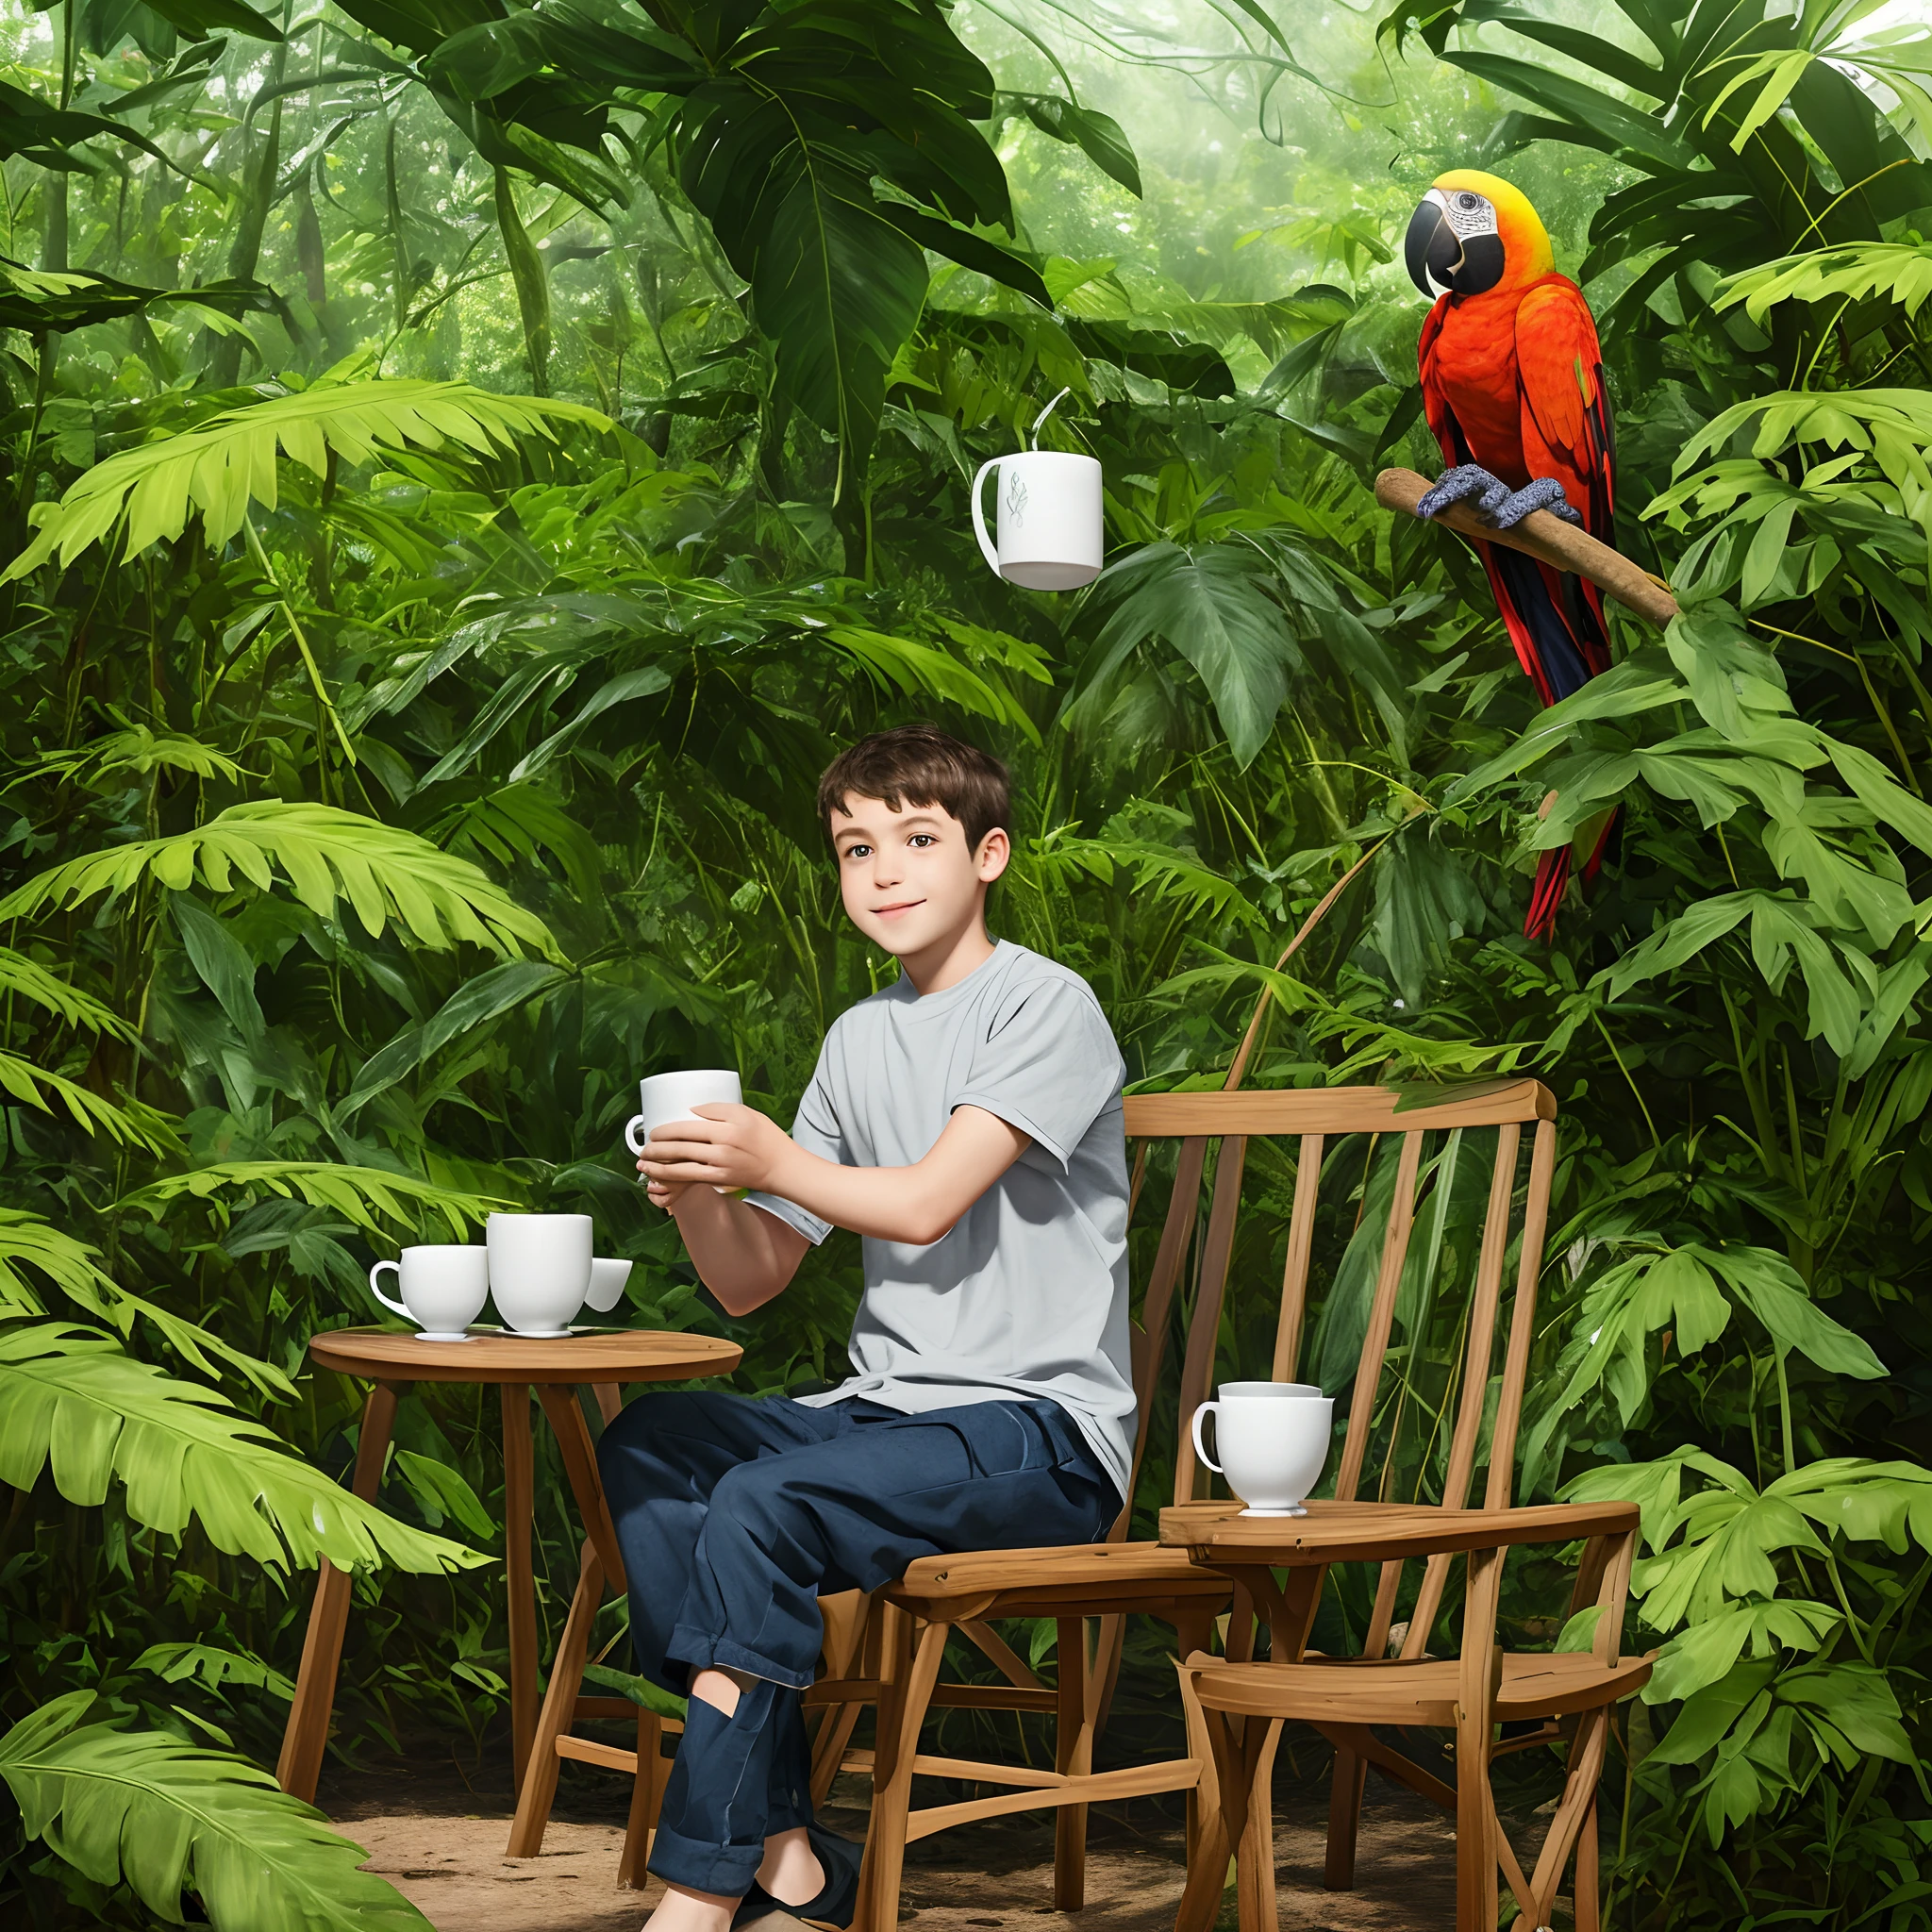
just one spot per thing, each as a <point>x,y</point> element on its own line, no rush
<point>1547,538</point>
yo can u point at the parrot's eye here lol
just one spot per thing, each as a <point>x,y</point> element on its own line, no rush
<point>1467,201</point>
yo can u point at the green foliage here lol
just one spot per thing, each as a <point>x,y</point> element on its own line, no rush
<point>167,1816</point>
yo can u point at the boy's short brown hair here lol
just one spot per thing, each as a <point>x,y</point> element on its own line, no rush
<point>916,764</point>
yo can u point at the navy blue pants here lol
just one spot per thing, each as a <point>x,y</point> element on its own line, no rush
<point>735,1516</point>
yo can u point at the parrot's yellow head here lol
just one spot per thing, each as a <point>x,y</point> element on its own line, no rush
<point>1474,233</point>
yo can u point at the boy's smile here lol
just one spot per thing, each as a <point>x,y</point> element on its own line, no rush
<point>913,885</point>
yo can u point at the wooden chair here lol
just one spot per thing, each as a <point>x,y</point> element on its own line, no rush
<point>1328,1129</point>
<point>1545,1699</point>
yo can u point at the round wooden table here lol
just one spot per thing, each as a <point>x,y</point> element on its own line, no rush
<point>392,1360</point>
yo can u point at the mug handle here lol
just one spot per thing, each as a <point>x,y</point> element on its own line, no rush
<point>637,1120</point>
<point>378,1293</point>
<point>986,544</point>
<point>1201,1415</point>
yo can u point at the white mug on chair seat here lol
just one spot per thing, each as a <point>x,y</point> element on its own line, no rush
<point>540,1270</point>
<point>1272,1445</point>
<point>442,1289</point>
<point>1047,515</point>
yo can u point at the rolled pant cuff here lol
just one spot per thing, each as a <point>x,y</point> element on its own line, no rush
<point>702,1649</point>
<point>726,1871</point>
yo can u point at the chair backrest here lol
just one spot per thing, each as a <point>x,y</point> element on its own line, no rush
<point>1424,1159</point>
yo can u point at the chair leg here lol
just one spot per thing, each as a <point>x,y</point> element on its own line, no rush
<point>902,1712</point>
<point>1192,1633</point>
<point>1208,1845</point>
<point>1258,1832</point>
<point>1586,1894</point>
<point>539,1788</point>
<point>1344,1820</point>
<point>647,1789</point>
<point>1072,1757</point>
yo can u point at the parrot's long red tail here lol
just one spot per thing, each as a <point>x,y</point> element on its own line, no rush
<point>1553,875</point>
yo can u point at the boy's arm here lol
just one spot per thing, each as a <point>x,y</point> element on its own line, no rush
<point>738,1147</point>
<point>742,1255</point>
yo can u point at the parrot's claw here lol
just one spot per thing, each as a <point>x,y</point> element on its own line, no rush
<point>1495,502</point>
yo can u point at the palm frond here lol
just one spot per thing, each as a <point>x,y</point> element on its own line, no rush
<point>367,1196</point>
<point>74,1398</point>
<point>165,1818</point>
<point>27,979</point>
<point>223,467</point>
<point>325,854</point>
<point>40,1087</point>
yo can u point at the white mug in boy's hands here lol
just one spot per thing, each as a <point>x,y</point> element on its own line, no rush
<point>666,1098</point>
<point>442,1289</point>
<point>1274,1442</point>
<point>540,1270</point>
<point>1048,517</point>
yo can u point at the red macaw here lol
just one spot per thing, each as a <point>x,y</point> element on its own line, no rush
<point>1513,388</point>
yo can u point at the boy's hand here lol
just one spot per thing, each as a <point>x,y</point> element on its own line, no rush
<point>726,1147</point>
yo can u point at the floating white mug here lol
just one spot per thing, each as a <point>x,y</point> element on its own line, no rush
<point>442,1289</point>
<point>1047,515</point>
<point>540,1270</point>
<point>1273,1445</point>
<point>607,1284</point>
<point>667,1097</point>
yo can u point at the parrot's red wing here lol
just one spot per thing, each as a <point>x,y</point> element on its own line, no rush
<point>1566,418</point>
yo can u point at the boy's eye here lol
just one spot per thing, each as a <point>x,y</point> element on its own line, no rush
<point>859,852</point>
<point>922,840</point>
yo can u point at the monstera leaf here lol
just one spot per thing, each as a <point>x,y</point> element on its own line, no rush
<point>829,144</point>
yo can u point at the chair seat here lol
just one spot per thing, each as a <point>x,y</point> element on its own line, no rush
<point>1085,1570</point>
<point>1534,1685</point>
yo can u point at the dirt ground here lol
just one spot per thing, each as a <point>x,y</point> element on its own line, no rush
<point>439,1836</point>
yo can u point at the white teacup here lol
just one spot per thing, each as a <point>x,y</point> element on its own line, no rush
<point>666,1098</point>
<point>540,1270</point>
<point>1048,519</point>
<point>607,1284</point>
<point>1273,1445</point>
<point>442,1289</point>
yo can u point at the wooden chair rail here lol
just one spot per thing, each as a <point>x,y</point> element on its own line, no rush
<point>1337,1111</point>
<point>1337,1533</point>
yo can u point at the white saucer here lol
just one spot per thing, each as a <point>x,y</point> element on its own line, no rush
<point>1297,1511</point>
<point>437,1335</point>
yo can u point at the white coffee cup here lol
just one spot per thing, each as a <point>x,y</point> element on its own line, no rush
<point>607,1284</point>
<point>668,1097</point>
<point>1272,1445</point>
<point>1048,517</point>
<point>442,1289</point>
<point>540,1270</point>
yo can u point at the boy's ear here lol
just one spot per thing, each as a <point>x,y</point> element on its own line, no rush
<point>995,851</point>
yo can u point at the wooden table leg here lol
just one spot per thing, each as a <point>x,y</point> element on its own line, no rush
<point>573,1434</point>
<point>538,1788</point>
<point>306,1736</point>
<point>518,1491</point>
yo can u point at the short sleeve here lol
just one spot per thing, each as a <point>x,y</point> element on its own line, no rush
<point>1048,1065</point>
<point>817,1130</point>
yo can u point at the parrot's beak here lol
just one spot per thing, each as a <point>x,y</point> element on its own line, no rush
<point>1441,263</point>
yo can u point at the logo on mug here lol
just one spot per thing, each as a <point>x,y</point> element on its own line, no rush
<point>1016,497</point>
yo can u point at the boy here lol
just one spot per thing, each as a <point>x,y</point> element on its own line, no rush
<point>967,1122</point>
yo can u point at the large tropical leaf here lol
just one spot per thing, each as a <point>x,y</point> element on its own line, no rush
<point>368,1196</point>
<point>42,299</point>
<point>164,1817</point>
<point>325,855</point>
<point>40,1087</point>
<point>1213,604</point>
<point>223,467</point>
<point>74,1399</point>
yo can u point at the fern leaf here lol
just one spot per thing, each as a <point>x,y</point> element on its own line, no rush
<point>25,978</point>
<point>366,1196</point>
<point>325,855</point>
<point>166,1817</point>
<point>75,1398</point>
<point>37,1086</point>
<point>224,466</point>
<point>73,1266</point>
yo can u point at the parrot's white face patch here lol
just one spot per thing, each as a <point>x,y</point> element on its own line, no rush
<point>1467,212</point>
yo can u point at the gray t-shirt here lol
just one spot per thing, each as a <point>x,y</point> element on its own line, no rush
<point>1026,1296</point>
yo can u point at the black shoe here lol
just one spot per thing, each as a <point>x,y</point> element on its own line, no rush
<point>836,1903</point>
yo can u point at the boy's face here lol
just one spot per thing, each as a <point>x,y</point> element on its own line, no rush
<point>908,878</point>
